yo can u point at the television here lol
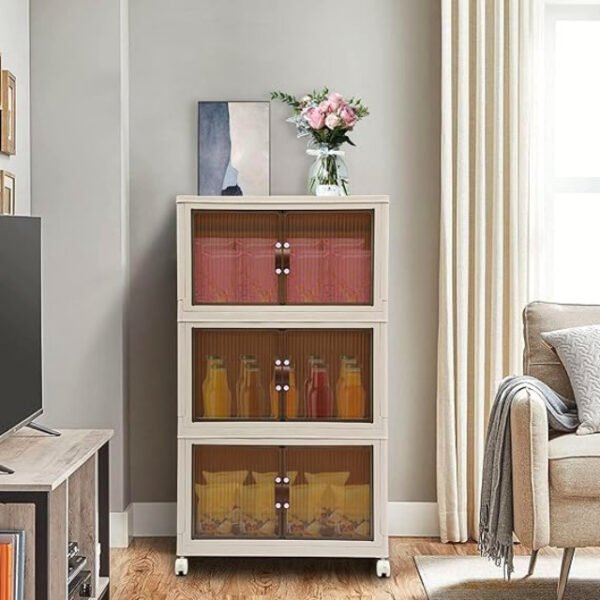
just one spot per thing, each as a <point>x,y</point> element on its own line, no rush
<point>20,322</point>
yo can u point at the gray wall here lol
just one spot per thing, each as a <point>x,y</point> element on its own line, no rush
<point>14,47</point>
<point>386,51</point>
<point>77,189</point>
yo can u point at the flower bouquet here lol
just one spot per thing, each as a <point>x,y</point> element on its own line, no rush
<point>326,118</point>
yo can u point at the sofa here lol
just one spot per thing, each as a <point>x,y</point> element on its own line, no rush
<point>556,477</point>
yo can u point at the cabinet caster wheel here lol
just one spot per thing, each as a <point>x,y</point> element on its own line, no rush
<point>383,568</point>
<point>181,566</point>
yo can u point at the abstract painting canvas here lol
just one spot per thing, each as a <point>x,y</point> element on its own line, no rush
<point>233,148</point>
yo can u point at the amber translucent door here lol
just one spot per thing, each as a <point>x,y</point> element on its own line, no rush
<point>233,373</point>
<point>328,257</point>
<point>331,492</point>
<point>234,491</point>
<point>329,377</point>
<point>235,257</point>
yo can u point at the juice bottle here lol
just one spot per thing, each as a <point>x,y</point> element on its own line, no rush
<point>312,362</point>
<point>211,360</point>
<point>291,397</point>
<point>345,362</point>
<point>274,395</point>
<point>320,399</point>
<point>253,402</point>
<point>217,401</point>
<point>246,360</point>
<point>351,401</point>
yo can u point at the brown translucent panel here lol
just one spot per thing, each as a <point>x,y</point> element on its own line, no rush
<point>330,257</point>
<point>331,492</point>
<point>234,491</point>
<point>233,373</point>
<point>332,374</point>
<point>234,257</point>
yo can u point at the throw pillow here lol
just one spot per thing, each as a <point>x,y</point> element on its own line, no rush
<point>579,351</point>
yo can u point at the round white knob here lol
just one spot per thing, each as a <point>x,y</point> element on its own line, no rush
<point>286,362</point>
<point>286,245</point>
<point>278,388</point>
<point>286,505</point>
<point>278,271</point>
<point>286,271</point>
<point>278,505</point>
<point>278,245</point>
<point>286,388</point>
<point>277,363</point>
<point>277,479</point>
<point>286,480</point>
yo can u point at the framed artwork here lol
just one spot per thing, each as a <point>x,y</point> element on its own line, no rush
<point>7,193</point>
<point>9,113</point>
<point>233,148</point>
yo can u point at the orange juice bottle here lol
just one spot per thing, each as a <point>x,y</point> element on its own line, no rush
<point>211,361</point>
<point>352,397</point>
<point>292,408</point>
<point>217,401</point>
<point>253,402</point>
<point>274,395</point>
<point>345,362</point>
<point>246,360</point>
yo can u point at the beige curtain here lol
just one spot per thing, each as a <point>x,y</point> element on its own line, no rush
<point>488,177</point>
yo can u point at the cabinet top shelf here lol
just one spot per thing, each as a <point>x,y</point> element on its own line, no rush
<point>41,463</point>
<point>284,200</point>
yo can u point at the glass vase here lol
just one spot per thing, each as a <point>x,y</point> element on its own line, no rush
<point>328,175</point>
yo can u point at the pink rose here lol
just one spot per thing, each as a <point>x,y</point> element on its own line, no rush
<point>348,116</point>
<point>326,107</point>
<point>315,118</point>
<point>336,100</point>
<point>332,121</point>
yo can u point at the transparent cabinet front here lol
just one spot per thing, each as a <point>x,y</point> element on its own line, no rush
<point>282,257</point>
<point>282,374</point>
<point>293,492</point>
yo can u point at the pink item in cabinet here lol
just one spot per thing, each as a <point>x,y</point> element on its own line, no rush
<point>217,271</point>
<point>259,281</point>
<point>351,272</point>
<point>309,280</point>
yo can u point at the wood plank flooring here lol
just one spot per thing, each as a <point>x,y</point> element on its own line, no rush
<point>144,571</point>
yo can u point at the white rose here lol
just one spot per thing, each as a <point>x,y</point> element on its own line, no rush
<point>332,121</point>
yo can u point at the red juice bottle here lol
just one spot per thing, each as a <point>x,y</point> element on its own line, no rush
<point>320,399</point>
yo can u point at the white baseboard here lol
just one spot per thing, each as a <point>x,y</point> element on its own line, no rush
<point>413,519</point>
<point>120,528</point>
<point>158,519</point>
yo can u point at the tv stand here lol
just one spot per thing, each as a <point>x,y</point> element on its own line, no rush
<point>43,429</point>
<point>5,470</point>
<point>59,493</point>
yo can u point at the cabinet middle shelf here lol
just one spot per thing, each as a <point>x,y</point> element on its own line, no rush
<point>268,374</point>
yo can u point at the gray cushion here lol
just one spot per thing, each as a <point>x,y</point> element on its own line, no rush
<point>579,351</point>
<point>538,359</point>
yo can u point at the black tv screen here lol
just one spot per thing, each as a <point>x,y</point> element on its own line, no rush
<point>20,322</point>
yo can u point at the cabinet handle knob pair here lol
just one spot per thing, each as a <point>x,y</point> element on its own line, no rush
<point>285,505</point>
<point>285,480</point>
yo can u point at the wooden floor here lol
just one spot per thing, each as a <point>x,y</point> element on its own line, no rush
<point>144,571</point>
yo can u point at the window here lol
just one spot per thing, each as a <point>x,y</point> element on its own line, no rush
<point>571,236</point>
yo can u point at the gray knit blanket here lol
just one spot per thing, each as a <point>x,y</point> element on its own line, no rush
<point>496,514</point>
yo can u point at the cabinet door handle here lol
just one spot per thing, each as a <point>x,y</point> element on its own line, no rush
<point>285,258</point>
<point>279,266</point>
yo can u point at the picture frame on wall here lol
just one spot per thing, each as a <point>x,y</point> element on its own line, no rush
<point>8,120</point>
<point>7,193</point>
<point>234,148</point>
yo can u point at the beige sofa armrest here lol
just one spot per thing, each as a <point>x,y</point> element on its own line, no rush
<point>529,434</point>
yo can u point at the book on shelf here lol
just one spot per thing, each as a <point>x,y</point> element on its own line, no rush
<point>12,565</point>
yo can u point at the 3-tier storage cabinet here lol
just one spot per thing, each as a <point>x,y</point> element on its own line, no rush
<point>282,377</point>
